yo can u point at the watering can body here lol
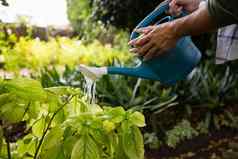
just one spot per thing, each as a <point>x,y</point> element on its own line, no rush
<point>173,66</point>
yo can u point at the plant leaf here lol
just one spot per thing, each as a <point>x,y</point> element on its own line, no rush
<point>52,138</point>
<point>132,141</point>
<point>68,145</point>
<point>115,115</point>
<point>85,148</point>
<point>12,112</point>
<point>38,127</point>
<point>137,119</point>
<point>54,152</point>
<point>26,89</point>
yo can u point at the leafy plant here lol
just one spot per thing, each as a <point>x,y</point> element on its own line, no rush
<point>34,54</point>
<point>152,140</point>
<point>180,132</point>
<point>210,85</point>
<point>51,77</point>
<point>116,12</point>
<point>59,123</point>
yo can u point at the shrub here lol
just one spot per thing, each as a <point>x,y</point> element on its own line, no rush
<point>35,54</point>
<point>59,122</point>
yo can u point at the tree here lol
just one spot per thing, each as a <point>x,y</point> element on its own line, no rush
<point>120,13</point>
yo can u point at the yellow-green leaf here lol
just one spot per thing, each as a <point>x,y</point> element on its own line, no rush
<point>27,89</point>
<point>137,119</point>
<point>132,141</point>
<point>85,148</point>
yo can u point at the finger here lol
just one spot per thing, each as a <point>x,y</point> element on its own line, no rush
<point>142,41</point>
<point>139,41</point>
<point>144,30</point>
<point>143,38</point>
<point>134,50</point>
<point>151,53</point>
<point>144,49</point>
<point>132,42</point>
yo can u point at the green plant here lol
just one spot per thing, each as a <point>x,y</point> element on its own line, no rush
<point>180,132</point>
<point>51,77</point>
<point>79,12</point>
<point>152,141</point>
<point>116,12</point>
<point>35,55</point>
<point>211,85</point>
<point>58,122</point>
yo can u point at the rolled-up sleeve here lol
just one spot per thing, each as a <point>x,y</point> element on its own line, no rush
<point>224,12</point>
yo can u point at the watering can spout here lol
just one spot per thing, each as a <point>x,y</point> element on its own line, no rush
<point>122,71</point>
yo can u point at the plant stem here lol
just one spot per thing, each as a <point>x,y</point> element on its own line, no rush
<point>8,149</point>
<point>48,127</point>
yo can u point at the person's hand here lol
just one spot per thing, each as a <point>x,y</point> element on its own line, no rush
<point>176,6</point>
<point>155,41</point>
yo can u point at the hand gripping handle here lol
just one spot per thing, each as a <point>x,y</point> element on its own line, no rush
<point>148,20</point>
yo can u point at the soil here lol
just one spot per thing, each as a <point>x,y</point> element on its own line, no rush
<point>222,144</point>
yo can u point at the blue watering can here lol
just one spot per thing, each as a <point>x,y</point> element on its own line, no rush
<point>169,68</point>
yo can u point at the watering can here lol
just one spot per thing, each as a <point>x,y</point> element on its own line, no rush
<point>173,66</point>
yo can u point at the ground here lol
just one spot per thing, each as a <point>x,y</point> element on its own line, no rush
<point>221,144</point>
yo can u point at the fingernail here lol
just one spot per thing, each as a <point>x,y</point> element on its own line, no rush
<point>131,42</point>
<point>133,50</point>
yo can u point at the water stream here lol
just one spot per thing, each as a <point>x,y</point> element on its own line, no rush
<point>90,89</point>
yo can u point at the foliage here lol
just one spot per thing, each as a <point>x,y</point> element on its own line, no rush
<point>210,89</point>
<point>78,12</point>
<point>35,54</point>
<point>211,85</point>
<point>194,96</point>
<point>51,77</point>
<point>116,12</point>
<point>88,29</point>
<point>116,90</point>
<point>180,132</point>
<point>59,123</point>
<point>152,140</point>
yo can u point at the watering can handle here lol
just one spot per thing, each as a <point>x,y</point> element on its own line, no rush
<point>159,10</point>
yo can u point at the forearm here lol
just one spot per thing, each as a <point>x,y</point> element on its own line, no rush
<point>196,23</point>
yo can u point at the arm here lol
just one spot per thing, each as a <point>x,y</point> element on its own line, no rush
<point>196,23</point>
<point>158,39</point>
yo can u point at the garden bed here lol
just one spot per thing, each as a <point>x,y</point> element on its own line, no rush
<point>213,146</point>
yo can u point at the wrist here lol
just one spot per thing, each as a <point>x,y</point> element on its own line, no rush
<point>194,24</point>
<point>178,28</point>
